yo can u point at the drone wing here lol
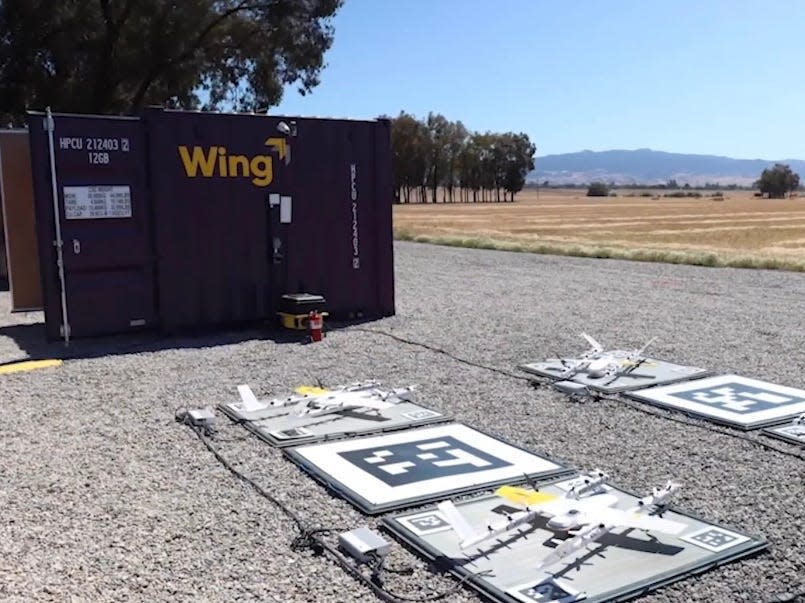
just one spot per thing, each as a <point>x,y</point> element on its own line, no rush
<point>628,519</point>
<point>370,403</point>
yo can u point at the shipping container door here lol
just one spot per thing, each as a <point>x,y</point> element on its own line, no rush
<point>340,242</point>
<point>213,180</point>
<point>103,208</point>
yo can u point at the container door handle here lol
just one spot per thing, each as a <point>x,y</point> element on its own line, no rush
<point>76,246</point>
<point>285,209</point>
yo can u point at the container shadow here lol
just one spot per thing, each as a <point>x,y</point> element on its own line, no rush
<point>30,338</point>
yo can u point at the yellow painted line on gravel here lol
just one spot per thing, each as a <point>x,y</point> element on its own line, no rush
<point>29,365</point>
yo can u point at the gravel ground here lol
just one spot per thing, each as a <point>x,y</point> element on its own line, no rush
<point>105,497</point>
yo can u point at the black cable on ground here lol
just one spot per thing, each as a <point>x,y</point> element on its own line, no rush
<point>644,409</point>
<point>203,435</point>
<point>438,350</point>
<point>694,422</point>
<point>312,537</point>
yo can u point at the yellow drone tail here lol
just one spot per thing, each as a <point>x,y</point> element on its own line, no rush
<point>310,390</point>
<point>521,496</point>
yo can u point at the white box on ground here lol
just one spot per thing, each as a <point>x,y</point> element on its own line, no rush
<point>362,542</point>
<point>202,417</point>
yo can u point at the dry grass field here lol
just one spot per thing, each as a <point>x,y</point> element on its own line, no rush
<point>740,230</point>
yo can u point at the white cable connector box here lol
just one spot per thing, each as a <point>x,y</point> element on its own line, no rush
<point>202,417</point>
<point>571,388</point>
<point>362,542</point>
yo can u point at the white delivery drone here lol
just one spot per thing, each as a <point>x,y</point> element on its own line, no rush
<point>315,401</point>
<point>584,511</point>
<point>595,363</point>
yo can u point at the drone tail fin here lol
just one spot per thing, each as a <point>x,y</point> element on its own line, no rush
<point>597,347</point>
<point>250,401</point>
<point>457,521</point>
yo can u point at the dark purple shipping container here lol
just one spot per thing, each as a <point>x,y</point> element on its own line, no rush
<point>184,220</point>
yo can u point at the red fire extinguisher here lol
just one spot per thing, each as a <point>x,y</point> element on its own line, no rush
<point>315,324</point>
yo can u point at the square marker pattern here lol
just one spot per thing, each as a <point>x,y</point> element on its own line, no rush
<point>411,462</point>
<point>715,539</point>
<point>739,398</point>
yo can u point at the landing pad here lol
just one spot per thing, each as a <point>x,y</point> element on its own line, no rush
<point>730,400</point>
<point>621,564</point>
<point>649,373</point>
<point>398,470</point>
<point>795,434</point>
<point>282,427</point>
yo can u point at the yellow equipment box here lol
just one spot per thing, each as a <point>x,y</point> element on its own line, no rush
<point>296,321</point>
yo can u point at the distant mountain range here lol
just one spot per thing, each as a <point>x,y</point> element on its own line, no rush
<point>644,166</point>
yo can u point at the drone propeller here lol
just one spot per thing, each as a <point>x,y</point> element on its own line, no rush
<point>645,347</point>
<point>531,482</point>
<point>559,359</point>
<point>635,364</point>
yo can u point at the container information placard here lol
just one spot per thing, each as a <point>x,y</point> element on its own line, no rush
<point>92,202</point>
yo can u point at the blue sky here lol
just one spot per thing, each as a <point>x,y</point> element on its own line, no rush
<point>710,76</point>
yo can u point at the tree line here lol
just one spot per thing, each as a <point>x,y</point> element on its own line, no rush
<point>778,181</point>
<point>105,56</point>
<point>434,155</point>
